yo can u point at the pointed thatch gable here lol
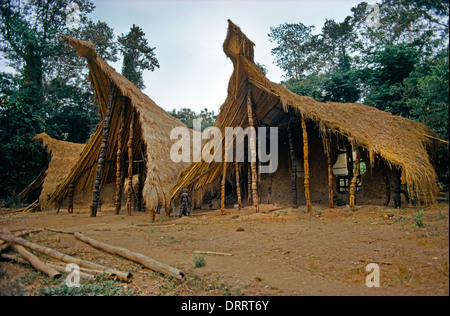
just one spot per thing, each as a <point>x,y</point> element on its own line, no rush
<point>151,141</point>
<point>397,141</point>
<point>63,156</point>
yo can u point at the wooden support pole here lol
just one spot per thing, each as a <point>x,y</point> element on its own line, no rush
<point>306,165</point>
<point>139,187</point>
<point>102,155</point>
<point>327,145</point>
<point>130,162</point>
<point>252,141</point>
<point>118,196</point>
<point>70,198</point>
<point>397,188</point>
<point>387,184</point>
<point>294,167</point>
<point>249,184</point>
<point>349,151</point>
<point>354,183</point>
<point>222,194</point>
<point>238,186</point>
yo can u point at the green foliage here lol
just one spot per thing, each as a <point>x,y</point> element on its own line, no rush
<point>399,65</point>
<point>418,219</point>
<point>293,50</point>
<point>100,287</point>
<point>199,261</point>
<point>137,56</point>
<point>186,115</point>
<point>48,91</point>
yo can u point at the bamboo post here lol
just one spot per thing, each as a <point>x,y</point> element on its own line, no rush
<point>130,163</point>
<point>306,165</point>
<point>253,150</point>
<point>294,167</point>
<point>102,155</point>
<point>354,182</point>
<point>327,145</point>
<point>238,186</point>
<point>118,196</point>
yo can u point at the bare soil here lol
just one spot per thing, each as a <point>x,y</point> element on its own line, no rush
<point>279,251</point>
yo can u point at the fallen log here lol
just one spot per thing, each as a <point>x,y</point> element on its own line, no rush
<point>133,256</point>
<point>19,233</point>
<point>36,263</point>
<point>33,260</point>
<point>82,274</point>
<point>123,276</point>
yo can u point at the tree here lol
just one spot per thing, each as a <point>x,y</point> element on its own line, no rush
<point>294,48</point>
<point>137,56</point>
<point>187,116</point>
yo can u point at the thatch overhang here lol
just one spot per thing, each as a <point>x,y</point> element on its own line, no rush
<point>151,137</point>
<point>63,156</point>
<point>398,141</point>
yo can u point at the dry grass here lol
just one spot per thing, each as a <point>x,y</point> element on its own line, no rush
<point>395,140</point>
<point>151,138</point>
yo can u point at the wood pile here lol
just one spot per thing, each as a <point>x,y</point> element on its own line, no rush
<point>87,269</point>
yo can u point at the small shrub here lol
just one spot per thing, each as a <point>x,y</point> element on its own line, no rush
<point>199,261</point>
<point>418,219</point>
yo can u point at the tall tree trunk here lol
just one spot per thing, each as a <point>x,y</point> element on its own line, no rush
<point>252,141</point>
<point>102,154</point>
<point>354,183</point>
<point>306,165</point>
<point>294,167</point>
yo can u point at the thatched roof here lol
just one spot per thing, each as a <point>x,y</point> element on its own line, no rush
<point>63,157</point>
<point>151,140</point>
<point>397,140</point>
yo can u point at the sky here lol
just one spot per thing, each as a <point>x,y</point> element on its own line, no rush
<point>188,36</point>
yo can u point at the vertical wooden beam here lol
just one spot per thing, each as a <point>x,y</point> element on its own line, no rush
<point>354,182</point>
<point>118,196</point>
<point>249,184</point>
<point>294,167</point>
<point>252,141</point>
<point>102,155</point>
<point>139,189</point>
<point>238,186</point>
<point>130,162</point>
<point>327,145</point>
<point>70,198</point>
<point>222,195</point>
<point>306,165</point>
<point>397,188</point>
<point>349,151</point>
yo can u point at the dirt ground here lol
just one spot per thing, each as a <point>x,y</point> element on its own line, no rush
<point>279,251</point>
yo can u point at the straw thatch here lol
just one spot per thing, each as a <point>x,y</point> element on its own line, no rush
<point>63,157</point>
<point>398,141</point>
<point>151,137</point>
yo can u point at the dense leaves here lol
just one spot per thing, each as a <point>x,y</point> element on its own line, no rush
<point>392,55</point>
